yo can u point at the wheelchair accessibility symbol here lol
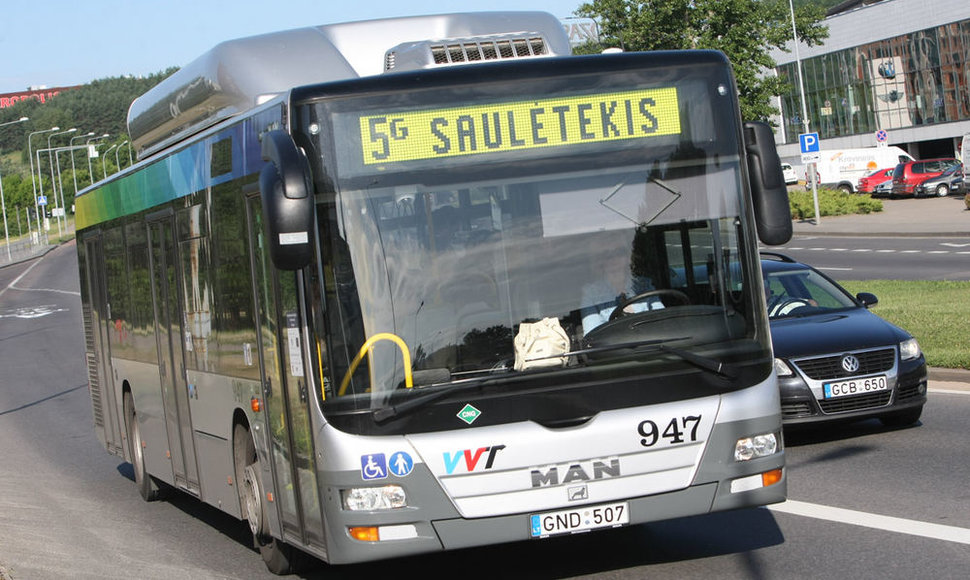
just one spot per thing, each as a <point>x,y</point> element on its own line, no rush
<point>373,466</point>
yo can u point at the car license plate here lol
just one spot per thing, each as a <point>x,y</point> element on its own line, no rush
<point>579,520</point>
<point>855,387</point>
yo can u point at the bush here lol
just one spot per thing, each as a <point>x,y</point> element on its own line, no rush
<point>830,202</point>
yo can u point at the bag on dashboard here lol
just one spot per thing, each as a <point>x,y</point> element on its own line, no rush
<point>538,344</point>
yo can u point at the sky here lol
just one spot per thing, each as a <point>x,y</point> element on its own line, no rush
<point>56,43</point>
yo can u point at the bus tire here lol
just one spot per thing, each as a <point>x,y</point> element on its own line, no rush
<point>147,487</point>
<point>276,554</point>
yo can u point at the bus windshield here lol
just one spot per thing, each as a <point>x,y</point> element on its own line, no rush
<point>624,241</point>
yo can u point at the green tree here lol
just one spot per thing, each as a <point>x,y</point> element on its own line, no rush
<point>744,30</point>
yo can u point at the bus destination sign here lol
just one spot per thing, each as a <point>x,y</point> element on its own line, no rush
<point>516,125</point>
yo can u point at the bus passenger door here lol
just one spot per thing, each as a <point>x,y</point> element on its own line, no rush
<point>281,315</point>
<point>97,316</point>
<point>171,357</point>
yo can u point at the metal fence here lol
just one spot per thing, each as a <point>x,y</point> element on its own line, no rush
<point>21,250</point>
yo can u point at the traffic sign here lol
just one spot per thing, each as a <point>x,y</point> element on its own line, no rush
<point>811,151</point>
<point>881,137</point>
<point>41,200</point>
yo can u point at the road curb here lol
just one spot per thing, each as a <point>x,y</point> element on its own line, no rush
<point>949,375</point>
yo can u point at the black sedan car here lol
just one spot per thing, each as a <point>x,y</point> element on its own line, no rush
<point>836,360</point>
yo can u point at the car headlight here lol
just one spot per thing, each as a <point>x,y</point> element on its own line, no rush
<point>374,498</point>
<point>782,369</point>
<point>909,349</point>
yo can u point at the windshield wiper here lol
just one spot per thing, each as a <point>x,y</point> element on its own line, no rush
<point>726,370</point>
<point>389,412</point>
<point>723,369</point>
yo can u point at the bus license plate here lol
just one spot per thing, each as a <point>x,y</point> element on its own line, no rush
<point>855,387</point>
<point>580,520</point>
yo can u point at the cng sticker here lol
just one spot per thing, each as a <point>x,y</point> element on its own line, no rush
<point>468,414</point>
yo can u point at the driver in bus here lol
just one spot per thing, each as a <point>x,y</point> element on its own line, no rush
<point>616,285</point>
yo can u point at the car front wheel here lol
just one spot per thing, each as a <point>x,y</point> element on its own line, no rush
<point>942,190</point>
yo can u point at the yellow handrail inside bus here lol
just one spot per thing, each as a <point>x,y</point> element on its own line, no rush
<point>365,349</point>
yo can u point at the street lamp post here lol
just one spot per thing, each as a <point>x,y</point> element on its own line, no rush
<point>50,152</point>
<point>30,154</point>
<point>73,170</point>
<point>104,164</point>
<point>3,202</point>
<point>801,87</point>
<point>88,143</point>
<point>118,150</point>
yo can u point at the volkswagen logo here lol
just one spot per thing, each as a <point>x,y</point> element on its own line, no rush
<point>850,363</point>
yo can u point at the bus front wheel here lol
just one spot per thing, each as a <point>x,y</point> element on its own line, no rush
<point>277,555</point>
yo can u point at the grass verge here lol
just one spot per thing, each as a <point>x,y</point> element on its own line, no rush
<point>934,311</point>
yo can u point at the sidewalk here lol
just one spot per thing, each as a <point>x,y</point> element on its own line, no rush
<point>924,217</point>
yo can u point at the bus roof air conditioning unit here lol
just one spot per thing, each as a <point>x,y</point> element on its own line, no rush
<point>427,54</point>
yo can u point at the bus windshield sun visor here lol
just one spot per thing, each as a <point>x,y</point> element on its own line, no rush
<point>285,187</point>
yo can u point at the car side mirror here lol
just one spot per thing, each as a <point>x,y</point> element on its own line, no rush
<point>868,299</point>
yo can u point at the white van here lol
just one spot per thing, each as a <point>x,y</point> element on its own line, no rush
<point>842,168</point>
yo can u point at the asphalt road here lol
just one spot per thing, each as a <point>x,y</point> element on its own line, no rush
<point>879,258</point>
<point>864,501</point>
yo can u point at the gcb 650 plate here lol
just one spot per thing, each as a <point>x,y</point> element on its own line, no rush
<point>855,387</point>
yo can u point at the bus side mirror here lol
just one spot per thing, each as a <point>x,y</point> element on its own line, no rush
<point>769,194</point>
<point>287,195</point>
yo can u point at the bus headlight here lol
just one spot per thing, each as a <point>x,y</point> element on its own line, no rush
<point>754,447</point>
<point>388,497</point>
<point>909,349</point>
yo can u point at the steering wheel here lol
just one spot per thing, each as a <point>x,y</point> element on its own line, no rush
<point>787,305</point>
<point>679,296</point>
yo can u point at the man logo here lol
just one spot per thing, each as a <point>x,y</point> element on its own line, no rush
<point>592,470</point>
<point>578,493</point>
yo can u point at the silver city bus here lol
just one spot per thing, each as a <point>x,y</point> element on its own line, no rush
<point>420,284</point>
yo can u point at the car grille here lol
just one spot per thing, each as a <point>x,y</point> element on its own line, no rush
<point>908,392</point>
<point>827,368</point>
<point>796,409</point>
<point>855,403</point>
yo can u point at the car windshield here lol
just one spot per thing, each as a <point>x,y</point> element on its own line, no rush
<point>803,292</point>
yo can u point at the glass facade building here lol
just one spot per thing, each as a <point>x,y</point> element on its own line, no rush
<point>911,80</point>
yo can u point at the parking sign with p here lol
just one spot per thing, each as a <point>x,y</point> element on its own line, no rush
<point>810,147</point>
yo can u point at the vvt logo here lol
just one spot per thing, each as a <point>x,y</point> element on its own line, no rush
<point>472,458</point>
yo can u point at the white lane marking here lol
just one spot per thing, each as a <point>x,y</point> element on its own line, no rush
<point>13,284</point>
<point>949,391</point>
<point>837,269</point>
<point>876,521</point>
<point>17,279</point>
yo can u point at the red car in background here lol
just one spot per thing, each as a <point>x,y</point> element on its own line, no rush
<point>868,183</point>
